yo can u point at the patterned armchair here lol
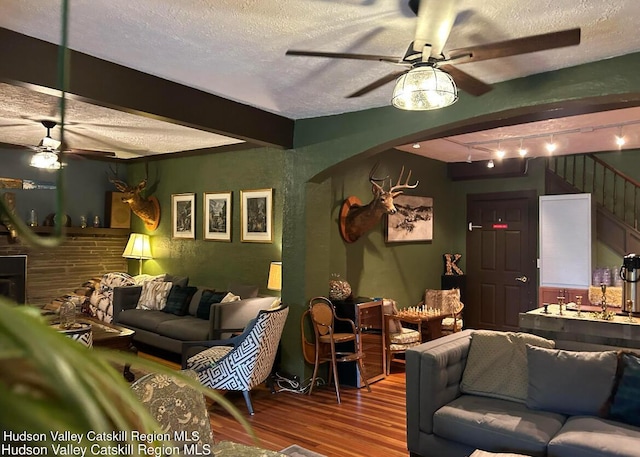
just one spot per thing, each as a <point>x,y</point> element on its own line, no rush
<point>242,362</point>
<point>178,408</point>
<point>397,338</point>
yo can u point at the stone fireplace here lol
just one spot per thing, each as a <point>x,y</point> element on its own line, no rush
<point>13,277</point>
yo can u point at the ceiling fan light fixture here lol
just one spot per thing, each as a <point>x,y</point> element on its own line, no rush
<point>49,143</point>
<point>423,88</point>
<point>45,159</point>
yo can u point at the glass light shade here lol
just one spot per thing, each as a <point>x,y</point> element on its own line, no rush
<point>275,276</point>
<point>424,88</point>
<point>45,159</point>
<point>49,143</point>
<point>138,247</point>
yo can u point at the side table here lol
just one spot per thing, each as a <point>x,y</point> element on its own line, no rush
<point>114,337</point>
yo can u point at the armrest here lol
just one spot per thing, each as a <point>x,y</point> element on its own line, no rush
<point>125,298</point>
<point>232,317</point>
<point>433,373</point>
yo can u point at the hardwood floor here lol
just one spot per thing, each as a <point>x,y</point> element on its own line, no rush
<point>365,424</point>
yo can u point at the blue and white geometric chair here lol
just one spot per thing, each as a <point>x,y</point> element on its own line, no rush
<point>242,362</point>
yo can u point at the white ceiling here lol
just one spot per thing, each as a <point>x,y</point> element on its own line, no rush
<point>236,49</point>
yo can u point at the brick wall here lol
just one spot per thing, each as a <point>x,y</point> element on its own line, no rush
<point>52,272</point>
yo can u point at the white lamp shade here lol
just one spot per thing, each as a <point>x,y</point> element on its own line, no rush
<point>138,247</point>
<point>424,88</point>
<point>275,276</point>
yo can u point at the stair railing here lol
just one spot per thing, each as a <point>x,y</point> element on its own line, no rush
<point>612,189</point>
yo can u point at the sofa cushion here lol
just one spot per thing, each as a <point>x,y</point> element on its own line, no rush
<point>185,328</point>
<point>583,436</point>
<point>208,298</point>
<point>497,364</point>
<point>144,319</point>
<point>154,295</point>
<point>178,300</point>
<point>570,382</point>
<point>625,405</point>
<point>181,281</point>
<point>243,290</point>
<point>496,425</point>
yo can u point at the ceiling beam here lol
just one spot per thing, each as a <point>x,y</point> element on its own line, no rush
<point>34,63</point>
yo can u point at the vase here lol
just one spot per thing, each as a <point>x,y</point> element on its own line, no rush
<point>339,289</point>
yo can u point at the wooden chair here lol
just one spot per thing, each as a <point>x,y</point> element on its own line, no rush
<point>397,338</point>
<point>323,318</point>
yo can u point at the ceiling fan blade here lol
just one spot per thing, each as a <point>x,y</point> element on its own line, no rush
<point>377,83</point>
<point>533,43</point>
<point>435,21</point>
<point>89,152</point>
<point>110,143</point>
<point>343,55</point>
<point>466,82</point>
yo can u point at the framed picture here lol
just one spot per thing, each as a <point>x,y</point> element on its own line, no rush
<point>257,215</point>
<point>183,215</point>
<point>217,216</point>
<point>413,220</point>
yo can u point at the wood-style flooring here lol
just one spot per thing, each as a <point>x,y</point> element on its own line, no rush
<point>365,424</point>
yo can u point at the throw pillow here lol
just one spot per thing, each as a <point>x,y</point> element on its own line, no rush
<point>154,295</point>
<point>208,298</point>
<point>142,278</point>
<point>570,382</point>
<point>181,281</point>
<point>497,364</point>
<point>230,297</point>
<point>625,406</point>
<point>178,300</point>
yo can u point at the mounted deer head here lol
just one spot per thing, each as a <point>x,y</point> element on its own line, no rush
<point>356,219</point>
<point>147,209</point>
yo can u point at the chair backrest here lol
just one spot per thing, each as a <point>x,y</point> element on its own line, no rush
<point>321,310</point>
<point>308,346</point>
<point>250,362</point>
<point>447,301</point>
<point>176,406</point>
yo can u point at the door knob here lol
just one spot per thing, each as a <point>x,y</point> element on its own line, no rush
<point>522,279</point>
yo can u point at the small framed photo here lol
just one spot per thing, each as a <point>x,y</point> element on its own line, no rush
<point>217,216</point>
<point>413,220</point>
<point>257,215</point>
<point>183,215</point>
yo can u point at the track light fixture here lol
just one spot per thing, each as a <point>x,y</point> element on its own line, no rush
<point>490,164</point>
<point>551,146</point>
<point>521,150</point>
<point>500,152</point>
<point>620,139</point>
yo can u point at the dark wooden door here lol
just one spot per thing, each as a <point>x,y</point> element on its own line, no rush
<point>501,262</point>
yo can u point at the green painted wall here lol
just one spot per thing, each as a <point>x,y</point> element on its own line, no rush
<point>213,263</point>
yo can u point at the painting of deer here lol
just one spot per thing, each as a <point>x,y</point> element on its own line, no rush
<point>356,219</point>
<point>146,208</point>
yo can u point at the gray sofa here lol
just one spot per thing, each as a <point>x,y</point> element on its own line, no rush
<point>445,419</point>
<point>167,331</point>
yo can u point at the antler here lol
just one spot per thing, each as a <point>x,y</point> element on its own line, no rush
<point>373,179</point>
<point>120,185</point>
<point>395,190</point>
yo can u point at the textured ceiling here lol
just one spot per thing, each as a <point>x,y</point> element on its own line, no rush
<point>236,48</point>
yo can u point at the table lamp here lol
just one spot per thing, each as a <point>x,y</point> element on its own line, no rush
<point>138,247</point>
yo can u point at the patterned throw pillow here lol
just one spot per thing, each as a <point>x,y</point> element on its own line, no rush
<point>208,298</point>
<point>497,364</point>
<point>154,295</point>
<point>178,300</point>
<point>101,300</point>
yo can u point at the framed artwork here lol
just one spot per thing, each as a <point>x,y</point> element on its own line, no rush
<point>217,216</point>
<point>257,215</point>
<point>183,215</point>
<point>413,220</point>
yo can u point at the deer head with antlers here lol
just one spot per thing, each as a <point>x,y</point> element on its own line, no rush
<point>356,219</point>
<point>147,209</point>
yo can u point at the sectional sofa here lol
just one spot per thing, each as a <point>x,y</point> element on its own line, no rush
<point>517,393</point>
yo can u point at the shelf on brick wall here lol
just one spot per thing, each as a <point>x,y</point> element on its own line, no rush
<point>76,231</point>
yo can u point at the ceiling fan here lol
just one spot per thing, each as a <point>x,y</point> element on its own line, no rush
<point>425,58</point>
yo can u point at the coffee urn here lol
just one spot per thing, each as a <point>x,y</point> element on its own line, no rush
<point>630,274</point>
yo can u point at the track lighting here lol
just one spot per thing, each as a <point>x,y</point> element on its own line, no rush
<point>620,139</point>
<point>500,152</point>
<point>416,146</point>
<point>490,164</point>
<point>551,146</point>
<point>521,150</point>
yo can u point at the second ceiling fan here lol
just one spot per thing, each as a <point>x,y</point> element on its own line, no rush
<point>426,63</point>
